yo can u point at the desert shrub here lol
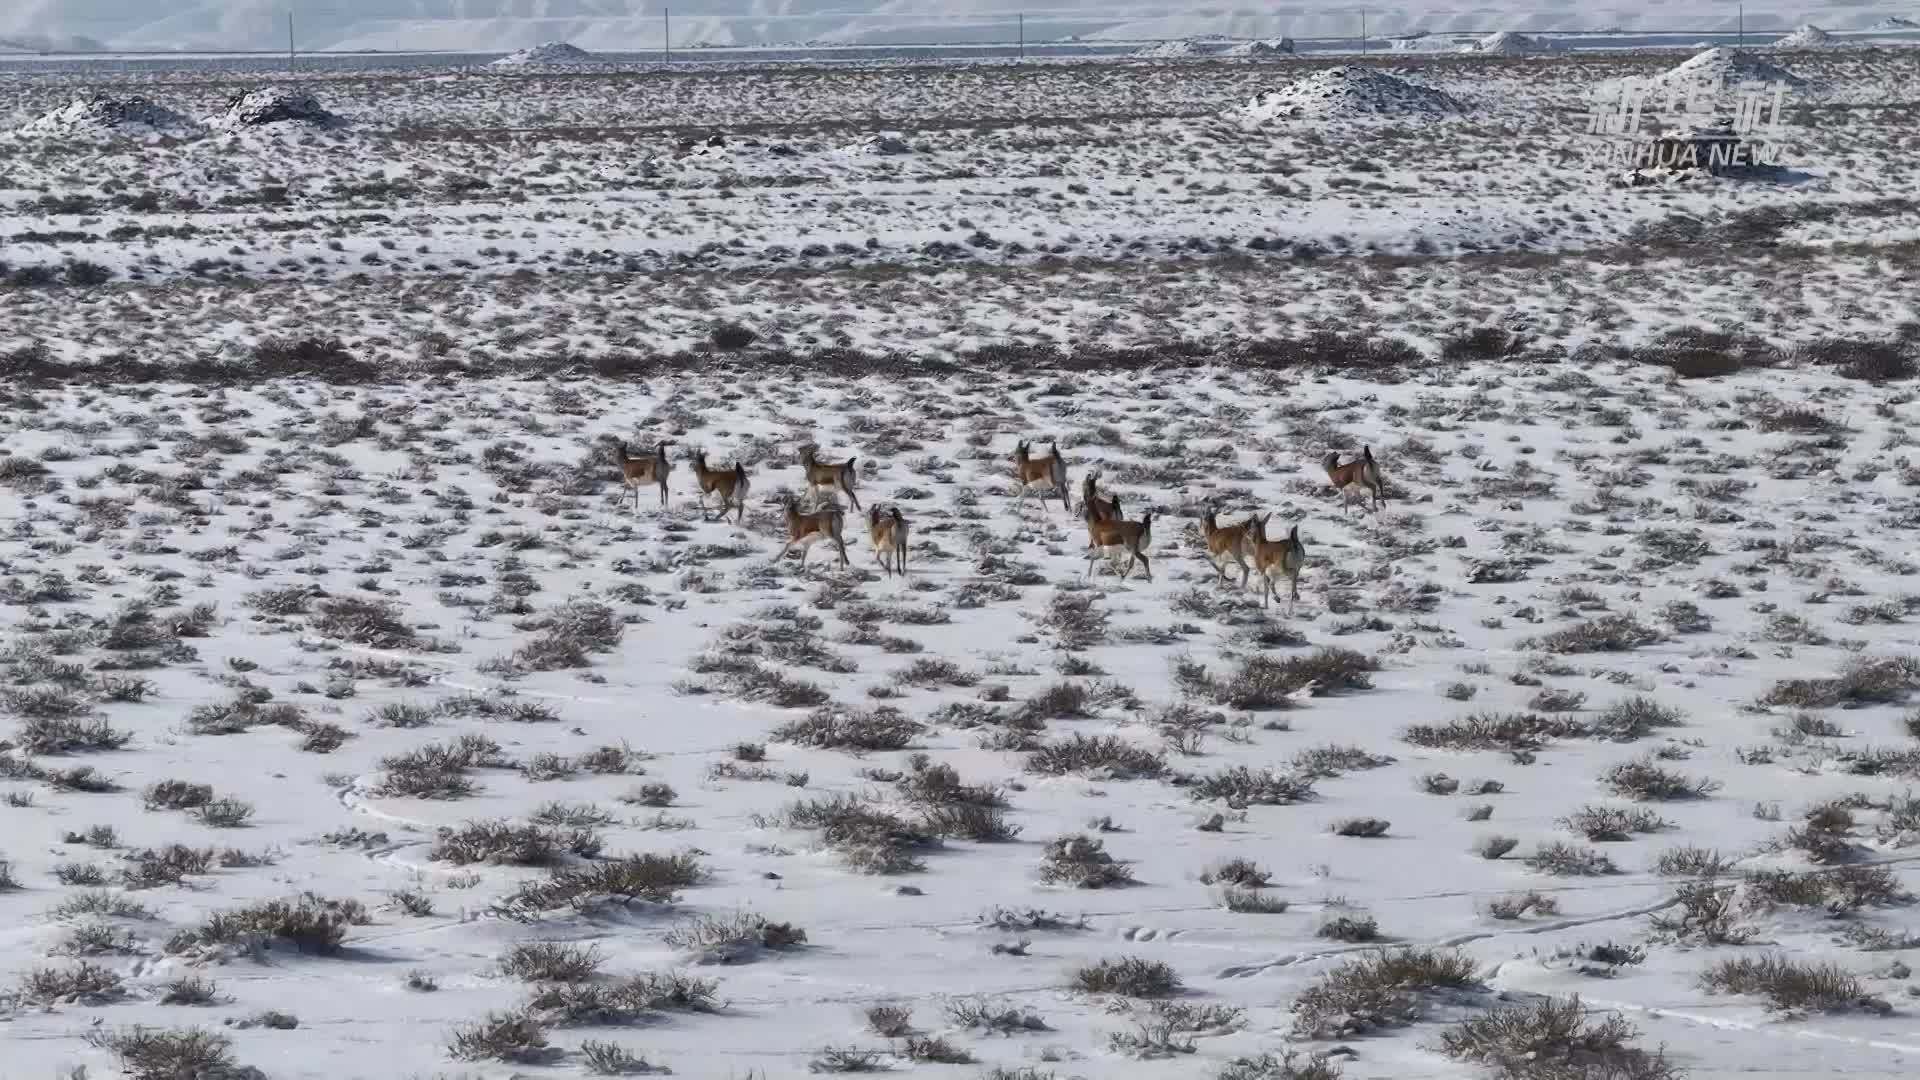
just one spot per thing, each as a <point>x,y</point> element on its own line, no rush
<point>150,1054</point>
<point>1493,731</point>
<point>1237,871</point>
<point>1128,977</point>
<point>44,734</point>
<point>734,938</point>
<point>1239,784</point>
<point>177,795</point>
<point>1367,827</point>
<point>551,961</point>
<point>1609,633</point>
<point>834,727</point>
<point>503,843</point>
<point>1289,1065</point>
<point>1514,905</point>
<point>1378,990</point>
<point>1262,681</point>
<point>1108,756</point>
<point>1702,911</point>
<point>515,1036</point>
<point>969,821</point>
<point>1084,863</point>
<point>1861,681</point>
<point>987,1014</point>
<point>1339,923</point>
<point>1643,780</point>
<point>1787,984</point>
<point>611,1059</point>
<point>650,878</point>
<point>82,983</point>
<point>1567,860</point>
<point>1688,861</point>
<point>1550,1039</point>
<point>311,923</point>
<point>1635,718</point>
<point>1609,823</point>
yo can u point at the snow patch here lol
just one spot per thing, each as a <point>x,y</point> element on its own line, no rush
<point>104,115</point>
<point>549,54</point>
<point>1276,47</point>
<point>1348,91</point>
<point>1728,67</point>
<point>1182,48</point>
<point>1807,37</point>
<point>273,105</point>
<point>1507,43</point>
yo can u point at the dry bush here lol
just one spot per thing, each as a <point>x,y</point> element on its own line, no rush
<point>1082,862</point>
<point>1128,977</point>
<point>1107,756</point>
<point>1791,986</point>
<point>1262,681</point>
<point>650,878</point>
<point>515,1037</point>
<point>551,961</point>
<point>1862,681</point>
<point>311,923</point>
<point>150,1054</point>
<point>1553,1039</point>
<point>1644,780</point>
<point>733,939</point>
<point>1240,785</point>
<point>67,734</point>
<point>835,727</point>
<point>1378,990</point>
<point>1613,824</point>
<point>1493,731</point>
<point>1290,1065</point>
<point>1567,860</point>
<point>1609,633</point>
<point>503,843</point>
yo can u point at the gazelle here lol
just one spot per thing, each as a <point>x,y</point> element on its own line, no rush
<point>1277,558</point>
<point>1362,475</point>
<point>821,474</point>
<point>1227,543</point>
<point>806,529</point>
<point>1047,476</point>
<point>637,472</point>
<point>1106,509</point>
<point>1116,538</point>
<point>889,535</point>
<point>730,484</point>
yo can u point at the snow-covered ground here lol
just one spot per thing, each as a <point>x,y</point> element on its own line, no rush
<point>321,586</point>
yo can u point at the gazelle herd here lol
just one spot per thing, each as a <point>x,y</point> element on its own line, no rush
<point>1244,545</point>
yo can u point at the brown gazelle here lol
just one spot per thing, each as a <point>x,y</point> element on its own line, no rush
<point>806,529</point>
<point>1105,509</point>
<point>1277,558</point>
<point>1045,476</point>
<point>729,484</point>
<point>833,477</point>
<point>1226,544</point>
<point>889,535</point>
<point>1116,538</point>
<point>1362,476</point>
<point>638,472</point>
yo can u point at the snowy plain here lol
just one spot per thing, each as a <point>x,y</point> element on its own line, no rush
<point>1641,600</point>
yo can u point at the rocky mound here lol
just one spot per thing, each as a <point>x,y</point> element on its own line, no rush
<point>550,54</point>
<point>1807,37</point>
<point>1281,47</point>
<point>1895,22</point>
<point>1349,91</point>
<point>1729,67</point>
<point>1165,50</point>
<point>273,105</point>
<point>1506,43</point>
<point>103,115</point>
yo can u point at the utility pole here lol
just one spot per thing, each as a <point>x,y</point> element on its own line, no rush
<point>1363,31</point>
<point>1743,26</point>
<point>289,41</point>
<point>666,32</point>
<point>1022,16</point>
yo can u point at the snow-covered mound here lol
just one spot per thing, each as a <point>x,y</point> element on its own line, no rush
<point>1348,91</point>
<point>273,105</point>
<point>1506,43</point>
<point>1176,49</point>
<point>550,54</point>
<point>1895,22</point>
<point>1807,37</point>
<point>103,115</point>
<point>1277,47</point>
<point>1729,67</point>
